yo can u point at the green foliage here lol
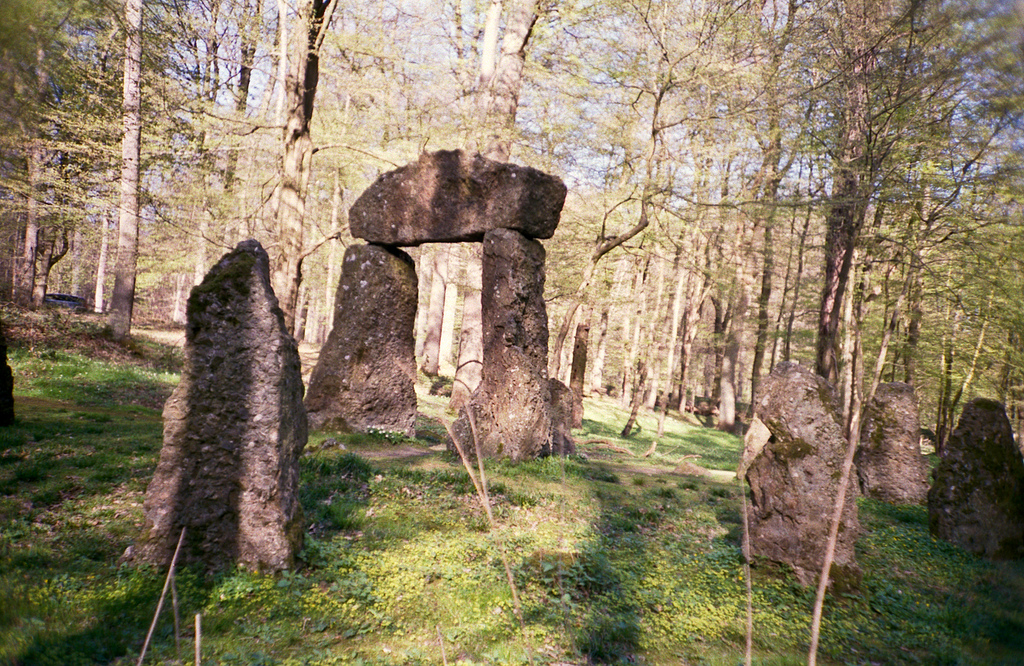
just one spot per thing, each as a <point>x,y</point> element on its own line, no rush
<point>400,559</point>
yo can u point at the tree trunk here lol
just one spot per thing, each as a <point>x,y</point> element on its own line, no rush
<point>122,300</point>
<point>502,96</point>
<point>471,344</point>
<point>47,256</point>
<point>673,338</point>
<point>25,275</point>
<point>101,266</point>
<point>787,349</point>
<point>597,369</point>
<point>579,366</point>
<point>637,400</point>
<point>300,57</point>
<point>851,179</point>
<point>77,241</point>
<point>656,323</point>
<point>438,268</point>
<point>451,299</point>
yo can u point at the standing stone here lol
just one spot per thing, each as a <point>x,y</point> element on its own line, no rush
<point>511,407</point>
<point>6,384</point>
<point>794,480</point>
<point>234,429</point>
<point>889,461</point>
<point>365,376</point>
<point>562,415</point>
<point>453,197</point>
<point>977,498</point>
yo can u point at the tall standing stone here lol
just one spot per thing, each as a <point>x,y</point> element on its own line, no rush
<point>889,461</point>
<point>365,376</point>
<point>234,429</point>
<point>977,498</point>
<point>794,480</point>
<point>511,407</point>
<point>6,384</point>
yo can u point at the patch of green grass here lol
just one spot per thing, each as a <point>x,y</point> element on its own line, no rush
<point>71,377</point>
<point>400,560</point>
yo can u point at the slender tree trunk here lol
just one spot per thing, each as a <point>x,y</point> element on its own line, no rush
<point>579,366</point>
<point>632,363</point>
<point>787,350</point>
<point>638,398</point>
<point>471,351</point>
<point>451,298</point>
<point>101,266</point>
<point>181,283</point>
<point>122,300</point>
<point>333,256</point>
<point>730,373</point>
<point>435,317</point>
<point>673,338</point>
<point>77,241</point>
<point>25,275</point>
<point>597,369</point>
<point>656,323</point>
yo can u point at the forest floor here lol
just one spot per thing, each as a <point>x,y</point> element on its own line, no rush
<point>613,557</point>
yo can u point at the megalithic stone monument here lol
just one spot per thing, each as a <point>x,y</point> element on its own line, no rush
<point>234,429</point>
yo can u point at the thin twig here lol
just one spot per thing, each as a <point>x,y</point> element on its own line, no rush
<point>748,655</point>
<point>163,595</point>
<point>440,640</point>
<point>177,622</point>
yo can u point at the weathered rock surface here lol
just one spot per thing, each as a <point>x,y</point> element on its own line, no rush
<point>512,405</point>
<point>366,372</point>
<point>794,480</point>
<point>452,197</point>
<point>234,429</point>
<point>6,384</point>
<point>562,410</point>
<point>890,466</point>
<point>977,497</point>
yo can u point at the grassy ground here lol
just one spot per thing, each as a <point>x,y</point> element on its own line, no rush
<point>615,557</point>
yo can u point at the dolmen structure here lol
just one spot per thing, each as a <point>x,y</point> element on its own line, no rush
<point>366,372</point>
<point>794,477</point>
<point>977,497</point>
<point>234,429</point>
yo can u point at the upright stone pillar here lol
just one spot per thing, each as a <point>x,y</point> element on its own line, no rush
<point>794,479</point>
<point>512,405</point>
<point>234,429</point>
<point>365,376</point>
<point>889,462</point>
<point>6,384</point>
<point>977,498</point>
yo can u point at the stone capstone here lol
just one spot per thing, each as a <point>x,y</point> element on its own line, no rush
<point>453,197</point>
<point>234,429</point>
<point>794,480</point>
<point>890,466</point>
<point>512,406</point>
<point>366,372</point>
<point>977,497</point>
<point>6,384</point>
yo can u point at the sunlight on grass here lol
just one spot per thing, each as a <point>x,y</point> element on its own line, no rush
<point>616,558</point>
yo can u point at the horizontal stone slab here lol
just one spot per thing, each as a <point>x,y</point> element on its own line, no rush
<point>453,197</point>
